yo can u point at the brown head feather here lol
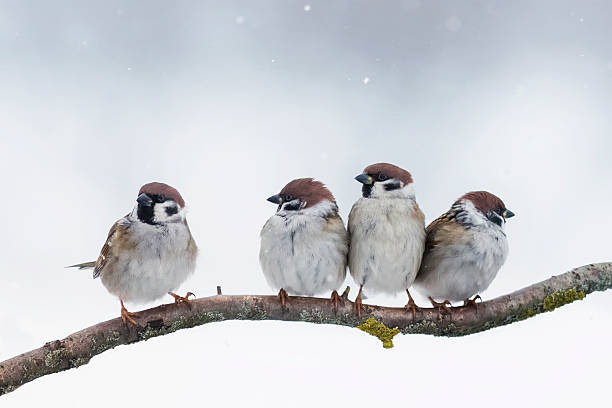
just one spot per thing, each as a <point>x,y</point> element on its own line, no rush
<point>390,171</point>
<point>483,201</point>
<point>163,189</point>
<point>308,190</point>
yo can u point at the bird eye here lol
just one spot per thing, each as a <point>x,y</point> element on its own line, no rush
<point>289,198</point>
<point>382,177</point>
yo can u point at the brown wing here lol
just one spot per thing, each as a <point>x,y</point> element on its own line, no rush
<point>444,229</point>
<point>106,254</point>
<point>192,248</point>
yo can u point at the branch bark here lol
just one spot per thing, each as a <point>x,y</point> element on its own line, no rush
<point>78,348</point>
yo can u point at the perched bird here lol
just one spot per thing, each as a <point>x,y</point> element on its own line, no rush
<point>149,252</point>
<point>464,250</point>
<point>304,245</point>
<point>387,230</point>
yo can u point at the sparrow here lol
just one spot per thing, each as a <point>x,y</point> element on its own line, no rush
<point>464,250</point>
<point>304,246</point>
<point>149,252</point>
<point>387,232</point>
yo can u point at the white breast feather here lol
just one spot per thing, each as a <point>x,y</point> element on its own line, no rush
<point>387,243</point>
<point>159,263</point>
<point>304,253</point>
<point>460,271</point>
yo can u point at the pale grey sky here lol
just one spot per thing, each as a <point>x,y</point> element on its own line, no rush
<point>228,101</point>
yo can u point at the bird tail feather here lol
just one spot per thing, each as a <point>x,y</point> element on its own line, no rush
<point>84,265</point>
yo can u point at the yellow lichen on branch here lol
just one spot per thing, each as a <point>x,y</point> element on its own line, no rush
<point>562,297</point>
<point>78,348</point>
<point>379,330</point>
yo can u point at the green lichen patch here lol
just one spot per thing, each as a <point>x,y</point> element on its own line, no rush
<point>379,330</point>
<point>528,313</point>
<point>560,298</point>
<point>252,311</point>
<point>54,358</point>
<point>181,322</point>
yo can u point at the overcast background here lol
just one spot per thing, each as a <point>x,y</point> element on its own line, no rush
<point>230,100</point>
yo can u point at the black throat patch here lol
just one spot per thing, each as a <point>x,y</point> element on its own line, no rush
<point>145,213</point>
<point>366,190</point>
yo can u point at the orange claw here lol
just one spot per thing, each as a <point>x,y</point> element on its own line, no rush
<point>411,305</point>
<point>442,305</point>
<point>335,298</point>
<point>283,296</point>
<point>472,302</point>
<point>181,299</point>
<point>358,303</point>
<point>127,316</point>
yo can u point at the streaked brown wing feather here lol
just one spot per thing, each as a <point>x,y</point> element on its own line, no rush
<point>442,230</point>
<point>106,253</point>
<point>192,247</point>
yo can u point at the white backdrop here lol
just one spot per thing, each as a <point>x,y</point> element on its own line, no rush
<point>228,101</point>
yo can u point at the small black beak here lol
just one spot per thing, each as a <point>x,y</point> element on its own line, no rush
<point>365,179</point>
<point>508,214</point>
<point>276,199</point>
<point>144,200</point>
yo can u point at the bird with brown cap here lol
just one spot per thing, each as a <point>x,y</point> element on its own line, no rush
<point>149,252</point>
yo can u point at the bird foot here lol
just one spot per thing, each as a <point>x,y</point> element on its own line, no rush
<point>411,305</point>
<point>283,296</point>
<point>358,304</point>
<point>472,302</point>
<point>335,298</point>
<point>181,299</point>
<point>126,316</point>
<point>441,306</point>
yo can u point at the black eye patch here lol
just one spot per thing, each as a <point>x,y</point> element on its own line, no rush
<point>380,177</point>
<point>495,218</point>
<point>171,210</point>
<point>392,186</point>
<point>158,198</point>
<point>293,206</point>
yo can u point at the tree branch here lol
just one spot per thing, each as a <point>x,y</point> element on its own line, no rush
<point>78,348</point>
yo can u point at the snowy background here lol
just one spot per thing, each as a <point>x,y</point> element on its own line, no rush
<point>228,101</point>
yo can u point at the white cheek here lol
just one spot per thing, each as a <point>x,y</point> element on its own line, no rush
<point>405,191</point>
<point>378,190</point>
<point>292,203</point>
<point>160,214</point>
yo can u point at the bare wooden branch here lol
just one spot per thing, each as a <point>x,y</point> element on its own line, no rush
<point>78,348</point>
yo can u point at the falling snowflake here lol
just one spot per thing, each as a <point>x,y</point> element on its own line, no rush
<point>366,80</point>
<point>239,20</point>
<point>307,7</point>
